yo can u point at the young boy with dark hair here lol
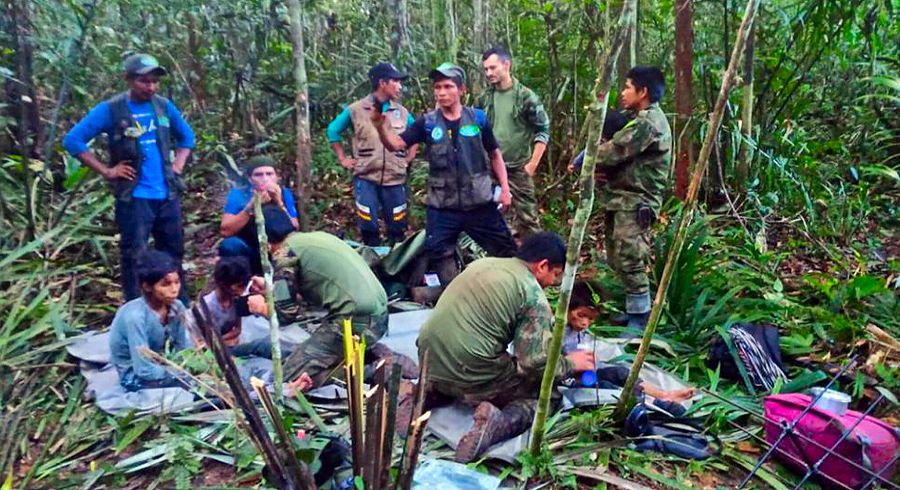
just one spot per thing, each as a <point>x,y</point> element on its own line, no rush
<point>153,321</point>
<point>235,296</point>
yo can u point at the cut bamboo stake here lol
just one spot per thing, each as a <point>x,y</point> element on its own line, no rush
<point>582,216</point>
<point>285,439</point>
<point>690,204</point>
<point>353,372</point>
<point>411,456</point>
<point>375,430</point>
<point>257,429</point>
<point>389,421</point>
<point>268,273</point>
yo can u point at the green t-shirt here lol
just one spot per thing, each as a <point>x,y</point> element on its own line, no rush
<point>514,137</point>
<point>494,302</point>
<point>330,274</point>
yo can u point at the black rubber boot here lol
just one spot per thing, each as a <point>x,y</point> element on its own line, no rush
<point>621,319</point>
<point>637,322</point>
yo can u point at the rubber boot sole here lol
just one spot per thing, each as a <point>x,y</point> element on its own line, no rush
<point>487,419</point>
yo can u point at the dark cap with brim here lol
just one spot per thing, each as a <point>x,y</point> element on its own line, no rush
<point>257,161</point>
<point>386,71</point>
<point>142,64</point>
<point>448,70</point>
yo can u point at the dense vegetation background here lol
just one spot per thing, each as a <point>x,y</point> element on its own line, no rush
<point>801,205</point>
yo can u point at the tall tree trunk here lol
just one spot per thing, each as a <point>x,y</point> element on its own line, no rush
<point>607,67</point>
<point>628,56</point>
<point>687,214</point>
<point>198,72</point>
<point>400,28</point>
<point>301,111</point>
<point>479,42</point>
<point>745,154</point>
<point>29,132</point>
<point>684,97</point>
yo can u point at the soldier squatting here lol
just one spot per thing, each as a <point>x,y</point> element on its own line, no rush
<point>481,161</point>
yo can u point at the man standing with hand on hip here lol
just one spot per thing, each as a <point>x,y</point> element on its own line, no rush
<point>379,174</point>
<point>149,143</point>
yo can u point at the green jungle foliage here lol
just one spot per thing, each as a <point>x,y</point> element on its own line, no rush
<point>807,241</point>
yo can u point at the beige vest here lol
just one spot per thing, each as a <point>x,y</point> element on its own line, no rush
<point>374,162</point>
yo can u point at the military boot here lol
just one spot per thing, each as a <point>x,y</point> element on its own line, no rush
<point>491,425</point>
<point>638,308</point>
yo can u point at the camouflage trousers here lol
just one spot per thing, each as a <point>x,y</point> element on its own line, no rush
<point>628,249</point>
<point>509,391</point>
<point>524,202</point>
<point>324,349</point>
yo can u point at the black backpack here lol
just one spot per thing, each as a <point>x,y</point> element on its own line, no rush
<point>749,353</point>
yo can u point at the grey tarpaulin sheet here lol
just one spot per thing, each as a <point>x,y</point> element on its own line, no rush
<point>103,380</point>
<point>451,422</point>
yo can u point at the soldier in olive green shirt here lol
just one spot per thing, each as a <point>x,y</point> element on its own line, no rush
<point>522,129</point>
<point>495,302</point>
<point>326,272</point>
<point>636,164</point>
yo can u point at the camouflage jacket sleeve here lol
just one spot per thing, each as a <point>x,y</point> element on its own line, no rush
<point>536,116</point>
<point>626,144</point>
<point>532,340</point>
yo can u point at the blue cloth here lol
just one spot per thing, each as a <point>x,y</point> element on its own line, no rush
<point>135,326</point>
<point>387,202</point>
<point>239,197</point>
<point>152,183</point>
<point>234,246</point>
<point>137,220</point>
<point>571,339</point>
<point>343,121</point>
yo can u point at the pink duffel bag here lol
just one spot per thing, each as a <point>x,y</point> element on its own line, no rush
<point>873,444</point>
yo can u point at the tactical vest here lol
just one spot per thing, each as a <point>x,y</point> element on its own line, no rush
<point>374,162</point>
<point>123,146</point>
<point>459,176</point>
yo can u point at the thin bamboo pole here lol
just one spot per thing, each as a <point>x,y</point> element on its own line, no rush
<point>690,204</point>
<point>602,87</point>
<point>268,273</point>
<point>411,456</point>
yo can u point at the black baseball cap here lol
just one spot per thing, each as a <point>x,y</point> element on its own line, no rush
<point>386,71</point>
<point>142,64</point>
<point>448,70</point>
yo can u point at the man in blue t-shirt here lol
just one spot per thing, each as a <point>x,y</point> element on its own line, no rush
<point>148,142</point>
<point>238,223</point>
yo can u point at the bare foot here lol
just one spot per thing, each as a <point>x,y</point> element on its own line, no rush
<point>302,383</point>
<point>678,395</point>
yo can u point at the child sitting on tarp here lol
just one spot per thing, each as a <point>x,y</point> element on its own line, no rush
<point>152,321</point>
<point>236,295</point>
<point>583,310</point>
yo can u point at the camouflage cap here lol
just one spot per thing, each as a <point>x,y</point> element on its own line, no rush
<point>142,64</point>
<point>448,70</point>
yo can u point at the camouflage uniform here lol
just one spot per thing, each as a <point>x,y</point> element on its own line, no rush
<point>326,272</point>
<point>636,162</point>
<point>517,131</point>
<point>493,302</point>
